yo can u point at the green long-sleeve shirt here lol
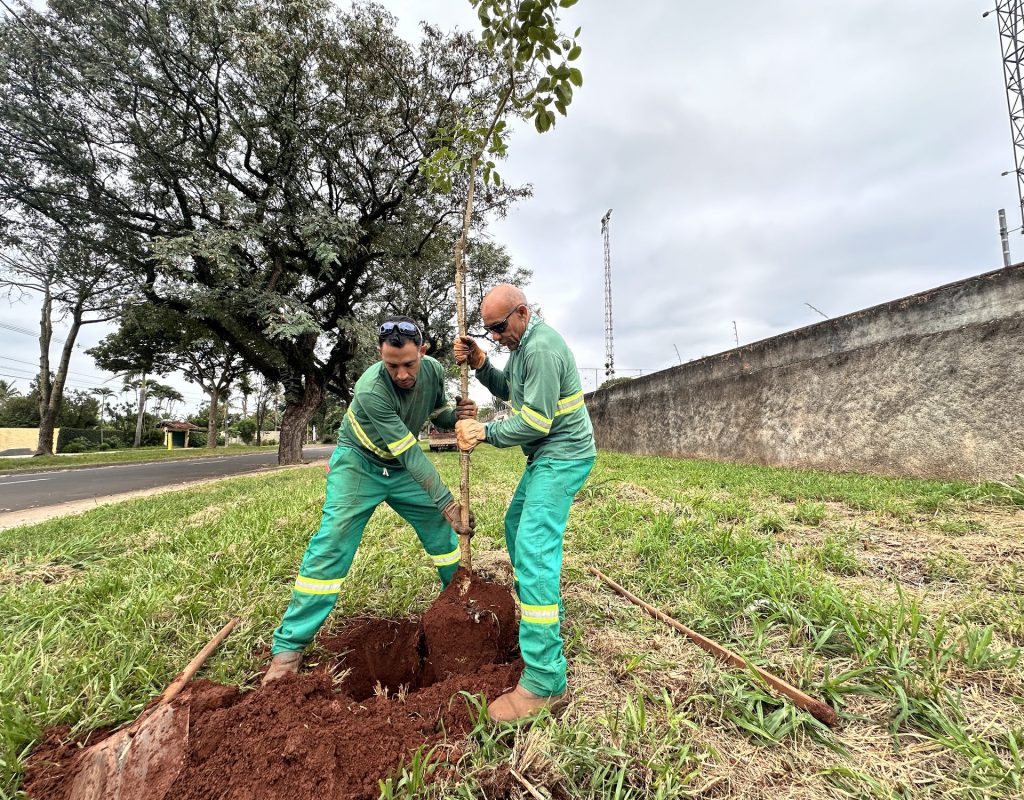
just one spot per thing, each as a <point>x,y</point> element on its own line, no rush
<point>543,385</point>
<point>382,423</point>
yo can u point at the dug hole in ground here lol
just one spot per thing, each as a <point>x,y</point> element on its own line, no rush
<point>377,691</point>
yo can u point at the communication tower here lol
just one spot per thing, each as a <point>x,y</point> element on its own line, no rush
<point>1010,14</point>
<point>609,347</point>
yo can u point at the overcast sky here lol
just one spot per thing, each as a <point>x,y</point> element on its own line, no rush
<point>758,157</point>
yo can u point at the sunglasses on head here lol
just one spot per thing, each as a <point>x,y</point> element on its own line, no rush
<point>499,327</point>
<point>404,328</point>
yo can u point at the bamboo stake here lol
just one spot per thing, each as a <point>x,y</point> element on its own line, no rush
<point>814,707</point>
<point>466,553</point>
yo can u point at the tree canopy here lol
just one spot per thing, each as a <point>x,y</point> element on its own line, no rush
<point>257,163</point>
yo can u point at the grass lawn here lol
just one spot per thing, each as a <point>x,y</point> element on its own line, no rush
<point>47,463</point>
<point>899,602</point>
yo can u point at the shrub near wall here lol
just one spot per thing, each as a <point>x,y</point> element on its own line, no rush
<point>66,435</point>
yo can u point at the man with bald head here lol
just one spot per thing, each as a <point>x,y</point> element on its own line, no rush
<point>552,426</point>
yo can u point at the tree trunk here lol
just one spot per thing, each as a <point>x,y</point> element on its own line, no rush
<point>44,444</point>
<point>296,417</point>
<point>51,394</point>
<point>211,423</point>
<point>142,411</point>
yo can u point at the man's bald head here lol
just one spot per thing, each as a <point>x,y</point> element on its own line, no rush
<point>503,297</point>
<point>505,314</point>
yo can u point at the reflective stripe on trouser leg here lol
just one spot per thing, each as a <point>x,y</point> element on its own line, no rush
<point>549,486</point>
<point>350,501</point>
<point>411,502</point>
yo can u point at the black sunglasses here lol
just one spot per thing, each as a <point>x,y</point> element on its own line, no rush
<point>404,328</point>
<point>499,327</point>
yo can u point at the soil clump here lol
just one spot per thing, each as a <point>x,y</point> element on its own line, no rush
<point>378,690</point>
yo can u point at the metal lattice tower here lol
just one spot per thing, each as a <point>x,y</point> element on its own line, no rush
<point>609,346</point>
<point>1010,14</point>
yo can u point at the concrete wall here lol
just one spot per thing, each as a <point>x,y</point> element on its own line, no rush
<point>20,441</point>
<point>930,385</point>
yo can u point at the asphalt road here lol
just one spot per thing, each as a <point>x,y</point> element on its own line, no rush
<point>20,491</point>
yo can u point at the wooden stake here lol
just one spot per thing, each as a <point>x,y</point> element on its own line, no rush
<point>466,553</point>
<point>527,785</point>
<point>816,708</point>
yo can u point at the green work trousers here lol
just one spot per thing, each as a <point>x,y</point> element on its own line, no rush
<point>355,487</point>
<point>534,530</point>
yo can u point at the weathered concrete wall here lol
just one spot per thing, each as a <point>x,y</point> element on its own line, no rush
<point>15,441</point>
<point>930,385</point>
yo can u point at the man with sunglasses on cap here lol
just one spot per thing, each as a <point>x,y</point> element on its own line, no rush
<point>552,426</point>
<point>377,460</point>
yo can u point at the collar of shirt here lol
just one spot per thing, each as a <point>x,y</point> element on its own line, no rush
<point>533,323</point>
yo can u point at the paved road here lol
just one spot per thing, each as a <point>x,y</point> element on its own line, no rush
<point>20,491</point>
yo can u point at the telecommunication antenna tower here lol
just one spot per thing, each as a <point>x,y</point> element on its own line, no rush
<point>1010,14</point>
<point>609,347</point>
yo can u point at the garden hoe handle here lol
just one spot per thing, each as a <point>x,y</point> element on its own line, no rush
<point>816,708</point>
<point>178,683</point>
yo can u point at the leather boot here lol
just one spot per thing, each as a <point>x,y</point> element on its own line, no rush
<point>284,663</point>
<point>521,703</point>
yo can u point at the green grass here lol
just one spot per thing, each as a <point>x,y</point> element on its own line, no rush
<point>101,610</point>
<point>48,463</point>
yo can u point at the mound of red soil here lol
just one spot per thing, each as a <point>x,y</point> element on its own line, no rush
<point>381,690</point>
<point>471,624</point>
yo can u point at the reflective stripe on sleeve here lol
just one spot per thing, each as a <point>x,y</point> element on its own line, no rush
<point>536,420</point>
<point>403,444</point>
<point>570,403</point>
<point>447,559</point>
<point>539,615</point>
<point>364,440</point>
<point>304,585</point>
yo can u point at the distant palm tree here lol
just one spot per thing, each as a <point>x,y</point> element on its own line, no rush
<point>7,391</point>
<point>104,394</point>
<point>163,393</point>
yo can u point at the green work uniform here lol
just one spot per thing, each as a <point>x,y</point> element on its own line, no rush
<point>551,424</point>
<point>377,460</point>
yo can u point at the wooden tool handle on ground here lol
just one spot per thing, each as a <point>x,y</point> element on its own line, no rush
<point>814,707</point>
<point>174,689</point>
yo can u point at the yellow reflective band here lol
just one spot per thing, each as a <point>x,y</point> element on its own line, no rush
<point>447,559</point>
<point>364,440</point>
<point>402,444</point>
<point>536,420</point>
<point>304,585</point>
<point>570,403</point>
<point>539,615</point>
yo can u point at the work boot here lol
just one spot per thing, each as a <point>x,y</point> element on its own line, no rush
<point>520,704</point>
<point>284,663</point>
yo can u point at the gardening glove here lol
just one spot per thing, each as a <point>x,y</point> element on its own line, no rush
<point>467,351</point>
<point>453,513</point>
<point>469,433</point>
<point>464,409</point>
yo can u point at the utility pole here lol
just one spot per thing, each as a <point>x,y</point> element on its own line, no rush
<point>677,355</point>
<point>1004,237</point>
<point>1010,16</point>
<point>609,348</point>
<point>735,333</point>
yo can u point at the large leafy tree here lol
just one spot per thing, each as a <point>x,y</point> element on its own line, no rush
<point>261,160</point>
<point>158,341</point>
<point>76,276</point>
<point>423,289</point>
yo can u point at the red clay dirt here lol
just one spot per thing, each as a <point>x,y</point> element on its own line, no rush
<point>380,690</point>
